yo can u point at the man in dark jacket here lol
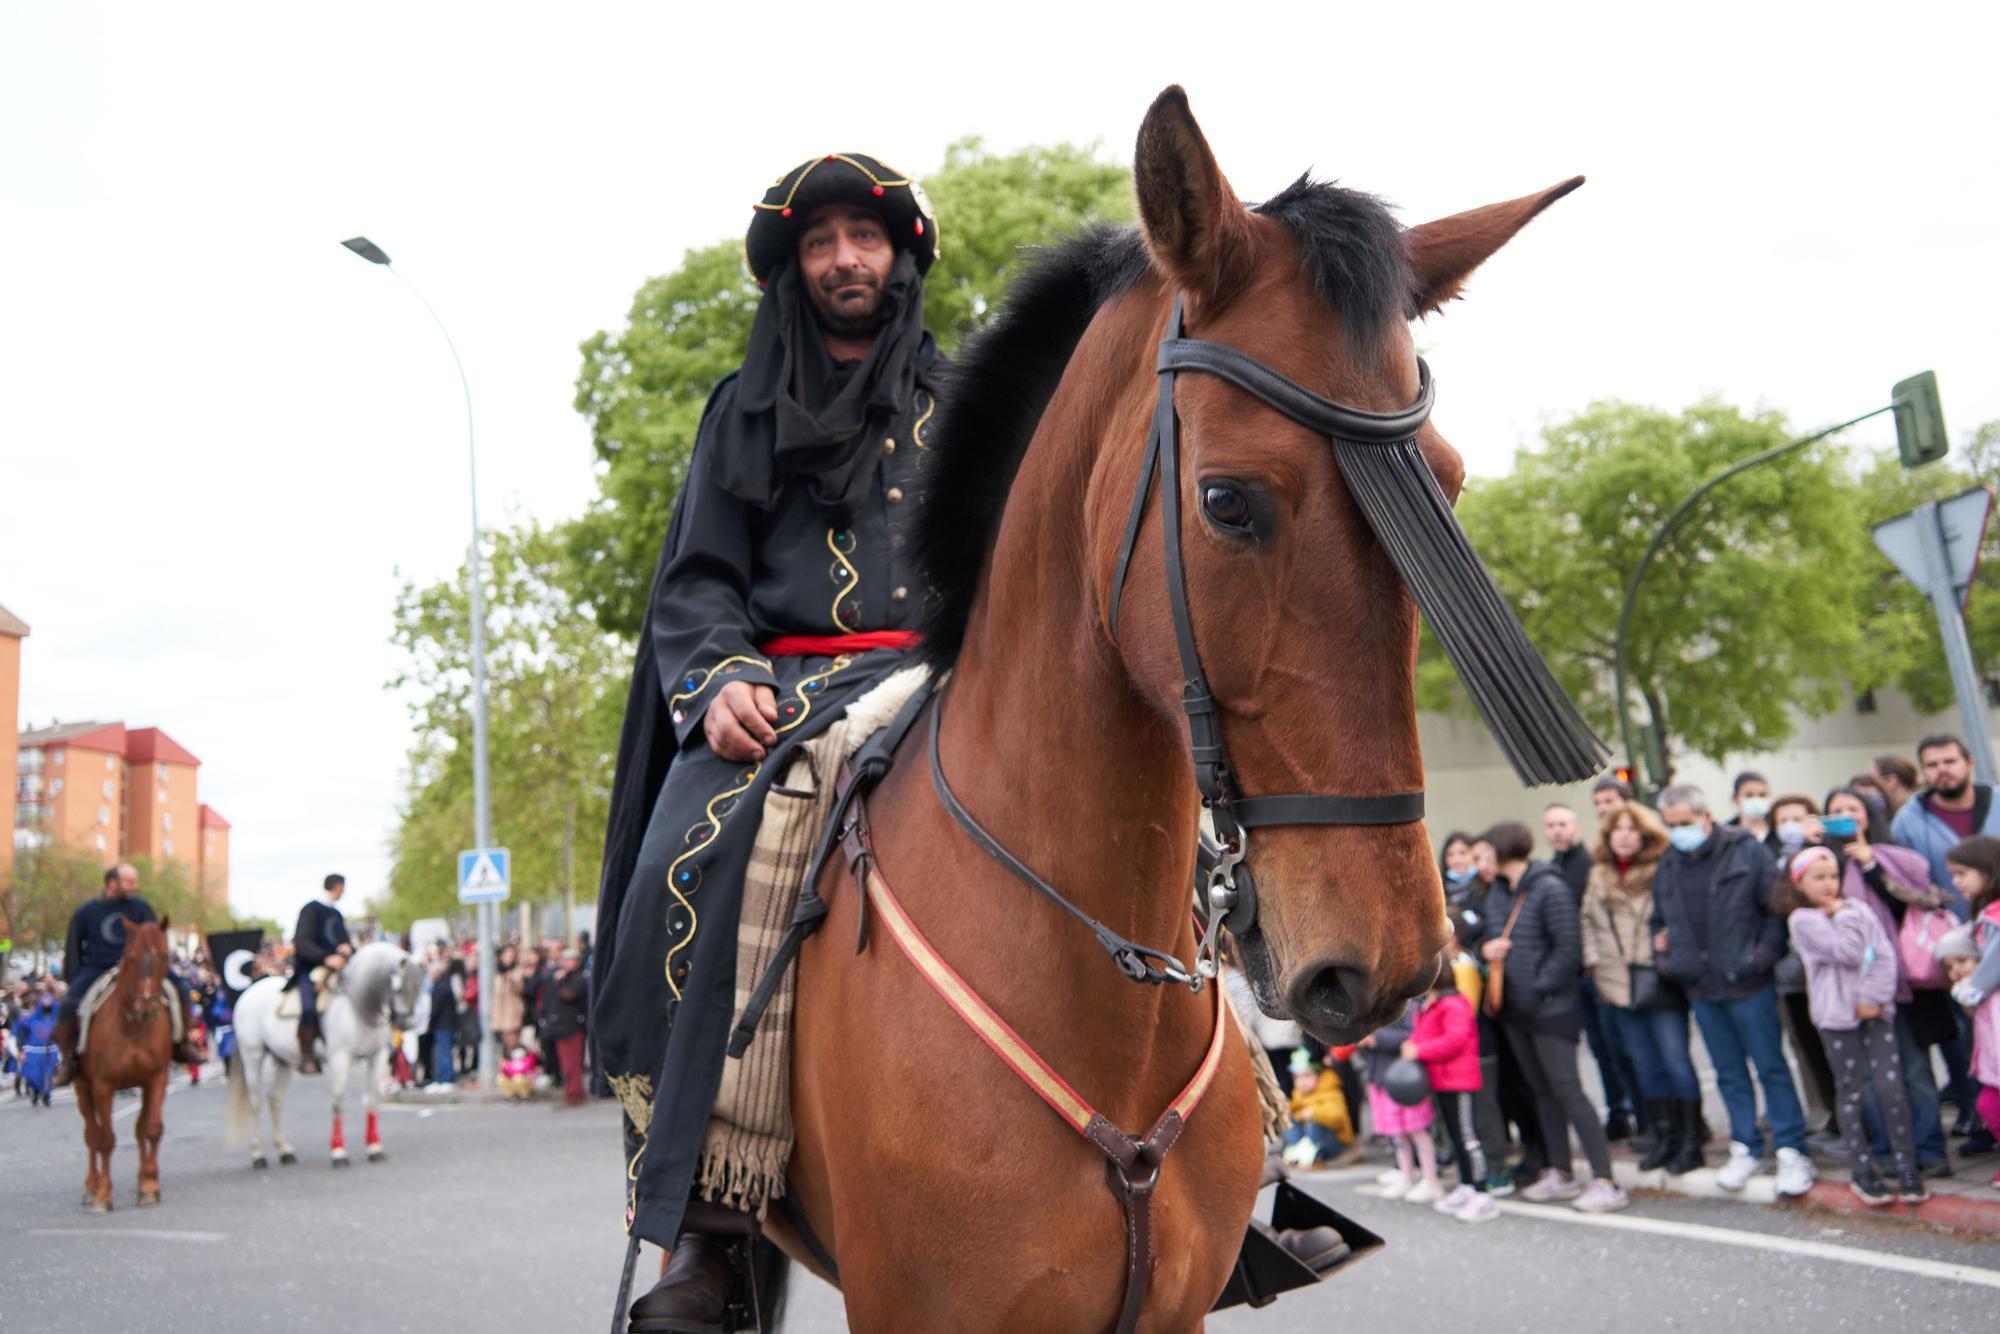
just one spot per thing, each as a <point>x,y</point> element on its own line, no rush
<point>569,1001</point>
<point>1714,933</point>
<point>1572,861</point>
<point>95,944</point>
<point>319,940</point>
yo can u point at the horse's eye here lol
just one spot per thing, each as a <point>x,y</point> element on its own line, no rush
<point>1226,505</point>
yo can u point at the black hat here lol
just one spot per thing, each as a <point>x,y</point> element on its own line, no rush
<point>838,177</point>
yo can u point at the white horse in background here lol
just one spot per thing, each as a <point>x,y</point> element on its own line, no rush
<point>378,983</point>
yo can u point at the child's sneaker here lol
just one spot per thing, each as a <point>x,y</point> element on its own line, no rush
<point>1552,1185</point>
<point>1455,1201</point>
<point>1424,1192</point>
<point>1398,1188</point>
<point>1479,1209</point>
<point>1501,1184</point>
<point>1391,1177</point>
<point>1601,1196</point>
<point>1868,1187</point>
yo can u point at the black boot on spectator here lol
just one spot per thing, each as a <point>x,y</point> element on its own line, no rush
<point>1617,1126</point>
<point>1978,1143</point>
<point>1967,1122</point>
<point>1687,1152</point>
<point>1667,1140</point>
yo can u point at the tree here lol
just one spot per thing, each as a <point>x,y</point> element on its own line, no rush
<point>1751,613</point>
<point>643,387</point>
<point>555,695</point>
<point>50,883</point>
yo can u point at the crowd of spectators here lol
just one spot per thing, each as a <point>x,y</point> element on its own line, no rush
<point>1853,936</point>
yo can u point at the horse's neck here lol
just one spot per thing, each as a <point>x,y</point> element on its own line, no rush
<point>367,989</point>
<point>1054,751</point>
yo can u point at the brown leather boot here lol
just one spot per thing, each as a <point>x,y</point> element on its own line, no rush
<point>692,1294</point>
<point>66,1034</point>
<point>308,1036</point>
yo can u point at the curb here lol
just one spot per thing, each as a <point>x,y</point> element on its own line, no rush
<point>1955,1213</point>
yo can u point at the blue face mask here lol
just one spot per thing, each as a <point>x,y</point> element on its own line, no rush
<point>1459,877</point>
<point>1687,837</point>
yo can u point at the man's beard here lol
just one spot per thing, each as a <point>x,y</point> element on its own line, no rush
<point>1953,793</point>
<point>848,323</point>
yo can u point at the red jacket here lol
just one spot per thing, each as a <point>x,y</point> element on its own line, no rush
<point>1447,1038</point>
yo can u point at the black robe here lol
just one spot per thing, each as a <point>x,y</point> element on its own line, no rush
<point>731,577</point>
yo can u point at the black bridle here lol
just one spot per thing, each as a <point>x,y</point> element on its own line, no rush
<point>1230,896</point>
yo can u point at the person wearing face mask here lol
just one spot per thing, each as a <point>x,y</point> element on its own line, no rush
<point>1889,881</point>
<point>1794,820</point>
<point>1715,934</point>
<point>1751,792</point>
<point>1463,887</point>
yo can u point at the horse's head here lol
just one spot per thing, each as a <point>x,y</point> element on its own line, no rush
<point>1306,631</point>
<point>409,984</point>
<point>142,968</point>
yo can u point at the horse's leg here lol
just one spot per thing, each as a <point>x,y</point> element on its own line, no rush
<point>280,1082</point>
<point>338,1063</point>
<point>102,1138</point>
<point>256,1070</point>
<point>86,1106</point>
<point>152,1124</point>
<point>378,1073</point>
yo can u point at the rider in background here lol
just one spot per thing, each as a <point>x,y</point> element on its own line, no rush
<point>320,938</point>
<point>96,942</point>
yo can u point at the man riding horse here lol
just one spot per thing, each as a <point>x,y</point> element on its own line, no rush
<point>319,940</point>
<point>96,940</point>
<point>786,588</point>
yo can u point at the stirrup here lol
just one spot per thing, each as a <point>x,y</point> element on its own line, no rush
<point>1264,1268</point>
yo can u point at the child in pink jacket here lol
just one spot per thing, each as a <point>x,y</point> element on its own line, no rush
<point>1851,980</point>
<point>1446,1040</point>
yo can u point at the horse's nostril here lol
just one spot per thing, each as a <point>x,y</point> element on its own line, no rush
<point>1331,994</point>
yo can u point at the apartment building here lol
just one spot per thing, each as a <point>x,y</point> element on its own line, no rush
<point>121,792</point>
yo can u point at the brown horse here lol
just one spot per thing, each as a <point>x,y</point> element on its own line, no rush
<point>945,1191</point>
<point>130,1046</point>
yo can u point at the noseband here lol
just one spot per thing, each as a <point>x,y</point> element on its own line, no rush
<point>1230,898</point>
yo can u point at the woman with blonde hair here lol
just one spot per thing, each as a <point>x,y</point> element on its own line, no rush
<point>1651,1012</point>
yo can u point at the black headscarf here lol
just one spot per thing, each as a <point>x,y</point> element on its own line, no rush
<point>800,418</point>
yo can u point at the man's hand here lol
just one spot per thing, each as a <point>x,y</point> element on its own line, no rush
<point>1494,950</point>
<point>738,723</point>
<point>336,961</point>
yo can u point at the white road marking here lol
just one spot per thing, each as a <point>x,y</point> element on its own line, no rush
<point>1818,1250</point>
<point>142,1233</point>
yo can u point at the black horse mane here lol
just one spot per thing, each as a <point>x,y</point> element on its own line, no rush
<point>1352,249</point>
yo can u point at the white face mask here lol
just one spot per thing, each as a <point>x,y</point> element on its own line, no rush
<point>1755,808</point>
<point>1792,833</point>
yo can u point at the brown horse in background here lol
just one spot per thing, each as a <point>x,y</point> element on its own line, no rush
<point>946,1193</point>
<point>130,1045</point>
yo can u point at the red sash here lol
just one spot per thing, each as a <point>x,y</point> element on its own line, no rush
<point>830,646</point>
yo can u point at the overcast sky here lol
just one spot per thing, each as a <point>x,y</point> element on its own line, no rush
<point>222,436</point>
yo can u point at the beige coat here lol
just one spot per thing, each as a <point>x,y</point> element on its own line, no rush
<point>1616,930</point>
<point>509,1010</point>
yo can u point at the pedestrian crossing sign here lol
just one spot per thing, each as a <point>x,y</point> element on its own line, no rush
<point>482,875</point>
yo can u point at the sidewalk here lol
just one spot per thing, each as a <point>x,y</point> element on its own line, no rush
<point>1962,1202</point>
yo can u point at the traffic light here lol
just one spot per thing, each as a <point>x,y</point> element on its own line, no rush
<point>1623,773</point>
<point>1920,437</point>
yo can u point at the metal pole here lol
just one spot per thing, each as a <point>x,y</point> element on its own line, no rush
<point>1957,648</point>
<point>1620,649</point>
<point>482,818</point>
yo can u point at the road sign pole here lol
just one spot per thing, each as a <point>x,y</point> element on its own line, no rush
<point>1957,648</point>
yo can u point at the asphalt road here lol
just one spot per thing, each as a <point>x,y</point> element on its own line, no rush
<point>508,1218</point>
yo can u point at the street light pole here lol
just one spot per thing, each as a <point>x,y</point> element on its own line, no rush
<point>1621,646</point>
<point>482,818</point>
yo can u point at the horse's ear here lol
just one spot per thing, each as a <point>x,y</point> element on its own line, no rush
<point>1198,232</point>
<point>1444,253</point>
<point>166,925</point>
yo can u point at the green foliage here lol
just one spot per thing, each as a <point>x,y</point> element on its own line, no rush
<point>1747,615</point>
<point>49,883</point>
<point>643,388</point>
<point>555,696</point>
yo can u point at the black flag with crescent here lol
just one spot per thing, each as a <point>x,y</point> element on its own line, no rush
<point>232,953</point>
